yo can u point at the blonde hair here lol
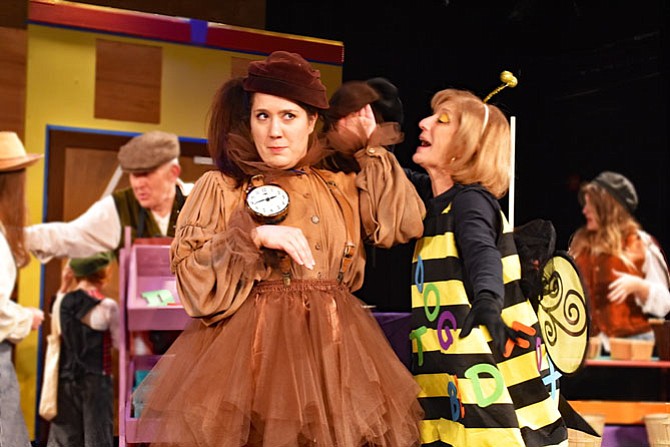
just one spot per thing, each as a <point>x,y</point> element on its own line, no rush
<point>614,225</point>
<point>479,149</point>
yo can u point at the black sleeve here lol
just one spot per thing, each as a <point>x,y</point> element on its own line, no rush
<point>476,227</point>
<point>421,183</point>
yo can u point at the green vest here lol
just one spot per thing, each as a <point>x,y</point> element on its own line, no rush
<point>140,220</point>
<point>471,394</point>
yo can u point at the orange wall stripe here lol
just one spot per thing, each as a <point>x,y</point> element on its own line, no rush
<point>100,18</point>
<point>180,30</point>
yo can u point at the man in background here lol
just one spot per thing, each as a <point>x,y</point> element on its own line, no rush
<point>150,206</point>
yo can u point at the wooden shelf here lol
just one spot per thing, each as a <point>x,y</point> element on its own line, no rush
<point>620,412</point>
<point>625,412</point>
<point>608,362</point>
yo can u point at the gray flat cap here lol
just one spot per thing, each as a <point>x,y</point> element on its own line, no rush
<point>148,151</point>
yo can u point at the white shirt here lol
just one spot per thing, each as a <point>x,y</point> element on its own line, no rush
<point>104,316</point>
<point>97,230</point>
<point>15,320</point>
<point>656,273</point>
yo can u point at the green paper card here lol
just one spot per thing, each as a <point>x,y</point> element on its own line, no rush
<point>167,297</point>
<point>158,297</point>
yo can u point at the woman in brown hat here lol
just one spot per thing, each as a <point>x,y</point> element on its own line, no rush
<point>16,321</point>
<point>622,266</point>
<point>267,252</point>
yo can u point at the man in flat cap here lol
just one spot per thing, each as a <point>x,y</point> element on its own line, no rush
<point>150,206</point>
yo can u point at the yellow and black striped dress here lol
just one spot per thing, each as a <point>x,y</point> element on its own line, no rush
<point>471,394</point>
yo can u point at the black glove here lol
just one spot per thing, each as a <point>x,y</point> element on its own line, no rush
<point>487,310</point>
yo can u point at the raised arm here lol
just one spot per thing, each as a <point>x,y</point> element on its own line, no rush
<point>391,210</point>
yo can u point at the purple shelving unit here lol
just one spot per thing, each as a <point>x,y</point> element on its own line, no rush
<point>142,268</point>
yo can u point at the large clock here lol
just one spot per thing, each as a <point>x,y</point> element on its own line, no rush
<point>268,204</point>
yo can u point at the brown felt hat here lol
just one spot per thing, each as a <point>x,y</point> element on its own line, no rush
<point>13,155</point>
<point>148,151</point>
<point>289,76</point>
<point>350,97</point>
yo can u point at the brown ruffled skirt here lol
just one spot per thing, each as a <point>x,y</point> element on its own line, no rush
<point>303,365</point>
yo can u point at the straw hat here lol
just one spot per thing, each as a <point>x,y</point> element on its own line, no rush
<point>12,153</point>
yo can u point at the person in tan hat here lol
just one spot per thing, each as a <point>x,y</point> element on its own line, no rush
<point>150,206</point>
<point>267,252</point>
<point>16,321</point>
<point>624,268</point>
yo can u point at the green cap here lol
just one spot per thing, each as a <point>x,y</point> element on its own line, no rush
<point>82,267</point>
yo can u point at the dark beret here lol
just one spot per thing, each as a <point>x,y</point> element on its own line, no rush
<point>148,151</point>
<point>289,76</point>
<point>388,105</point>
<point>620,188</point>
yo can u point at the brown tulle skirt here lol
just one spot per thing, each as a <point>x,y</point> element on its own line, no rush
<point>303,365</point>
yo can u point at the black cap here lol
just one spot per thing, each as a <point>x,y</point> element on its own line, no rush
<point>620,188</point>
<point>389,104</point>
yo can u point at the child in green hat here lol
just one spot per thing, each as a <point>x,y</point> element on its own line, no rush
<point>89,330</point>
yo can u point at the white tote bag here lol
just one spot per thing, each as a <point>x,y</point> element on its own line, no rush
<point>49,397</point>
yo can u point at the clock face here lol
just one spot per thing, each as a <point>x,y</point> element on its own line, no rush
<point>268,201</point>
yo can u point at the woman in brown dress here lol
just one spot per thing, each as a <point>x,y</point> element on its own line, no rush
<point>268,249</point>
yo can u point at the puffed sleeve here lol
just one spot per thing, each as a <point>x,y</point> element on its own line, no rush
<point>391,210</point>
<point>15,320</point>
<point>213,257</point>
<point>655,271</point>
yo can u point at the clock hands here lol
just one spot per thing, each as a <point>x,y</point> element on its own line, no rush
<point>265,199</point>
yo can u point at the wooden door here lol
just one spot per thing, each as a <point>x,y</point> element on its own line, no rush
<point>81,166</point>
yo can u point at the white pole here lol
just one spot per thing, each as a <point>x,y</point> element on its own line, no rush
<point>512,168</point>
<point>113,182</point>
